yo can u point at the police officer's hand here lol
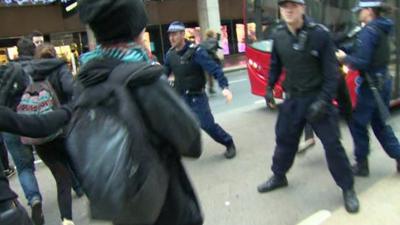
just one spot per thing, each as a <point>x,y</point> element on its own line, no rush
<point>317,111</point>
<point>269,98</point>
<point>340,55</point>
<point>171,80</point>
<point>227,94</point>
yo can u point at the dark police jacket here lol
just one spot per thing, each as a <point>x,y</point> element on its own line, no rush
<point>309,60</point>
<point>189,71</point>
<point>371,53</point>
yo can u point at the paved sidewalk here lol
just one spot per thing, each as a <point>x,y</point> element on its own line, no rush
<point>380,205</point>
<point>235,62</point>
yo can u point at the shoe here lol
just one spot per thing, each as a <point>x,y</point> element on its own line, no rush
<point>67,222</point>
<point>10,172</point>
<point>230,151</point>
<point>273,183</point>
<point>361,168</point>
<point>37,212</point>
<point>398,165</point>
<point>306,145</point>
<point>351,202</point>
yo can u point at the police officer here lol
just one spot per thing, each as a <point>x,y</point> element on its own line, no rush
<point>188,63</point>
<point>306,51</point>
<point>371,56</point>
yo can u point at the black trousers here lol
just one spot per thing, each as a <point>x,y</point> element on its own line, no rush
<point>4,154</point>
<point>308,132</point>
<point>289,127</point>
<point>13,214</point>
<point>54,156</point>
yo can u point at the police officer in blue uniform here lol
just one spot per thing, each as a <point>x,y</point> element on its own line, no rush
<point>371,56</point>
<point>188,63</point>
<point>306,51</point>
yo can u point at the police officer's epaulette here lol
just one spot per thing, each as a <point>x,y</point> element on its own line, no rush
<point>170,50</point>
<point>314,25</point>
<point>280,26</point>
<point>193,45</point>
<point>187,56</point>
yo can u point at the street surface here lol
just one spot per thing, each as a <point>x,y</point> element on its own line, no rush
<point>227,188</point>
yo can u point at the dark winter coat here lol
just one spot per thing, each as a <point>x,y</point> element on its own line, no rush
<point>58,74</point>
<point>33,126</point>
<point>172,124</point>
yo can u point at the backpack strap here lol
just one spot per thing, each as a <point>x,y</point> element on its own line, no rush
<point>7,80</point>
<point>188,55</point>
<point>125,72</point>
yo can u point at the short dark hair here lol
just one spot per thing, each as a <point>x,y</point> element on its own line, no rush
<point>45,51</point>
<point>35,33</point>
<point>26,47</point>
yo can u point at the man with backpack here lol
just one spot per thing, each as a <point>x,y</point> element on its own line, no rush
<point>211,45</point>
<point>130,126</point>
<point>188,63</point>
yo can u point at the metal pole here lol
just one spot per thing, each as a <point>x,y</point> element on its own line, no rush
<point>91,38</point>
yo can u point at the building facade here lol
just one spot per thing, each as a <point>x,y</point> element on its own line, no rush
<point>63,28</point>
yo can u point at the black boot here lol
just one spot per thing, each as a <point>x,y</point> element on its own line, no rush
<point>37,212</point>
<point>273,183</point>
<point>351,202</point>
<point>361,168</point>
<point>230,151</point>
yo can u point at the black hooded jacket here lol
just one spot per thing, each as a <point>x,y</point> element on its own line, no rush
<point>170,121</point>
<point>58,74</point>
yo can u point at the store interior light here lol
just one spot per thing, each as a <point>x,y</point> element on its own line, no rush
<point>71,7</point>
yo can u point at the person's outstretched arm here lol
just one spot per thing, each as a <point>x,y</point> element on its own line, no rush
<point>33,125</point>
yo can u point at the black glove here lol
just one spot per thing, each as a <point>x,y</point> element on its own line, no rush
<point>269,97</point>
<point>317,111</point>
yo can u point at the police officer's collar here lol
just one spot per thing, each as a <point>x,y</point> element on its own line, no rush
<point>307,23</point>
<point>188,44</point>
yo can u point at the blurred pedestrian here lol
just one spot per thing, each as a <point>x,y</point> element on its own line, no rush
<point>119,27</point>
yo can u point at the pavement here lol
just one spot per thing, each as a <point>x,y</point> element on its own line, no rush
<point>381,205</point>
<point>227,188</point>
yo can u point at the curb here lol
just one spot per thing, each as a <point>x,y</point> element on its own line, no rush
<point>234,68</point>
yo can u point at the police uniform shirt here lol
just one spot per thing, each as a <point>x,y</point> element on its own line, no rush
<point>308,58</point>
<point>187,74</point>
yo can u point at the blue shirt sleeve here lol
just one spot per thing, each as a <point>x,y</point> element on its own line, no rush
<point>210,66</point>
<point>361,58</point>
<point>275,67</point>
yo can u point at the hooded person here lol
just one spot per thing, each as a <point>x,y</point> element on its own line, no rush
<point>119,26</point>
<point>47,67</point>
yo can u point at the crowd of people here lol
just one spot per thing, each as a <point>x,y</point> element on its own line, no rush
<point>171,117</point>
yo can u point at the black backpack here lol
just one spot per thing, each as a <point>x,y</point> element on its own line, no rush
<point>122,174</point>
<point>12,83</point>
